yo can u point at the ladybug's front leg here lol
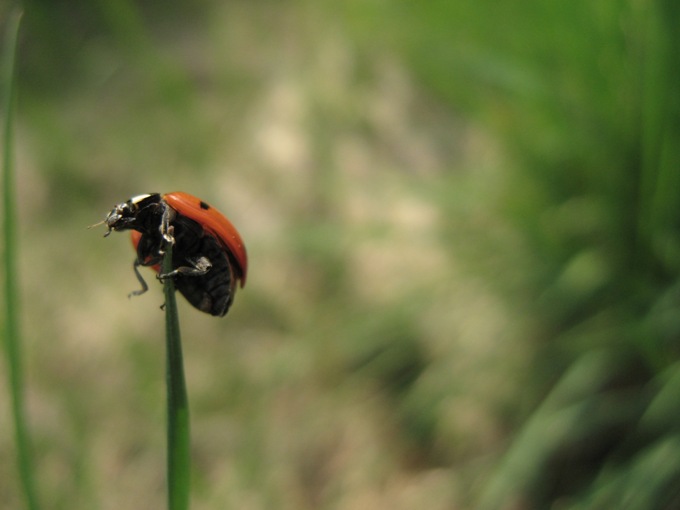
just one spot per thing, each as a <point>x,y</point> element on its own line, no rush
<point>145,287</point>
<point>199,267</point>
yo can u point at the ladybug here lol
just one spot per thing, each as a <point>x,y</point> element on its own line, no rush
<point>208,257</point>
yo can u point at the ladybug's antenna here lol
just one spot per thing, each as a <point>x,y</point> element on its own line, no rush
<point>100,223</point>
<point>96,224</point>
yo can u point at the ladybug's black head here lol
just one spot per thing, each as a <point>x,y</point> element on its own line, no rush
<point>132,214</point>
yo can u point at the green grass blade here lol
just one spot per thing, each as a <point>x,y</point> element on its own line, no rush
<point>178,405</point>
<point>12,334</point>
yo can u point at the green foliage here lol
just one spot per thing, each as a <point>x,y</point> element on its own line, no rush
<point>584,97</point>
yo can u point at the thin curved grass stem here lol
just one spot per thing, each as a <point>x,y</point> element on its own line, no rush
<point>12,336</point>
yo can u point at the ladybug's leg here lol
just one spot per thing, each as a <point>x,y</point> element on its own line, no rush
<point>199,267</point>
<point>166,229</point>
<point>145,287</point>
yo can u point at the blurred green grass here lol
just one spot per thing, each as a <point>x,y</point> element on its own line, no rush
<point>12,340</point>
<point>450,210</point>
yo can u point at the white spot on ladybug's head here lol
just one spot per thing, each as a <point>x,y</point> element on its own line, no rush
<point>137,199</point>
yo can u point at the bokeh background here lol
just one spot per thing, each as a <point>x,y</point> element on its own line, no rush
<point>462,223</point>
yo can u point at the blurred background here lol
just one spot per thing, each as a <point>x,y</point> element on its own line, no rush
<point>462,224</point>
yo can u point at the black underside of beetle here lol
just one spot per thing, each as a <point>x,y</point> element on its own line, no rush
<point>212,292</point>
